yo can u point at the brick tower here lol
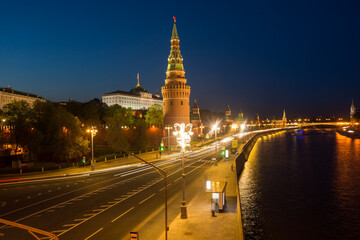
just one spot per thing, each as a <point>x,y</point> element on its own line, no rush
<point>176,92</point>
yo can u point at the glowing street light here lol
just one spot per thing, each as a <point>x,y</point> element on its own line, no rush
<point>215,128</point>
<point>93,132</point>
<point>242,127</point>
<point>168,128</point>
<point>183,138</point>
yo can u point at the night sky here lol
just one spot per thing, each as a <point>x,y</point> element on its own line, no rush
<point>258,56</point>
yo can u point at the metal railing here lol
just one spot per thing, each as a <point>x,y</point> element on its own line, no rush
<point>31,230</point>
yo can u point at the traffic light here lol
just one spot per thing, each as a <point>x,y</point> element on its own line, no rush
<point>83,160</point>
<point>161,146</point>
<point>223,153</point>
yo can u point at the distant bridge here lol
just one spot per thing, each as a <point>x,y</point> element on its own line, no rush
<point>309,124</point>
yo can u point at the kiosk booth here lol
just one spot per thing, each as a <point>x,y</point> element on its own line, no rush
<point>218,194</point>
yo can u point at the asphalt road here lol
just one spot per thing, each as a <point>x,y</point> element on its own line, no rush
<point>104,205</point>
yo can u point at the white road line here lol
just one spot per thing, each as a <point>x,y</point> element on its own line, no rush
<point>57,231</point>
<point>93,234</point>
<point>102,206</point>
<point>122,214</point>
<point>164,187</point>
<point>69,225</point>
<point>79,219</point>
<point>97,210</point>
<point>147,198</point>
<point>89,214</point>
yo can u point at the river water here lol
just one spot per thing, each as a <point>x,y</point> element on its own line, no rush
<point>304,187</point>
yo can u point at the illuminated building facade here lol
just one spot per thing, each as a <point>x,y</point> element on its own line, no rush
<point>8,95</point>
<point>136,99</point>
<point>175,92</point>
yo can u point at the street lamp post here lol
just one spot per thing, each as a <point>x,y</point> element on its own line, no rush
<point>215,128</point>
<point>93,132</point>
<point>183,138</point>
<point>168,128</point>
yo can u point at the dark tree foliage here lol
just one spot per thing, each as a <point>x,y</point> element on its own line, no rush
<point>138,135</point>
<point>17,115</point>
<point>118,121</point>
<point>89,113</point>
<point>154,117</point>
<point>57,135</point>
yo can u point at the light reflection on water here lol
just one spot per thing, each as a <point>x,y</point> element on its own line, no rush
<point>302,188</point>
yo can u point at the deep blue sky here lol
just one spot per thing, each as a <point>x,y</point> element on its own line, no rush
<point>260,56</point>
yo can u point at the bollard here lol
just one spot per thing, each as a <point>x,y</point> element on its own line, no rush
<point>129,155</point>
<point>140,152</point>
<point>94,160</point>
<point>73,164</point>
<point>42,169</point>
<point>124,155</point>
<point>105,159</point>
<point>20,170</point>
<point>115,157</point>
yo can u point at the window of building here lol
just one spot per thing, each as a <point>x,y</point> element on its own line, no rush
<point>171,102</point>
<point>182,103</point>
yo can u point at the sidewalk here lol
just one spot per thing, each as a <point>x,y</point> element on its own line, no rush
<point>200,224</point>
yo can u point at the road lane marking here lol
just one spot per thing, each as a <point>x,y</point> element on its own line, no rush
<point>97,210</point>
<point>164,187</point>
<point>51,210</point>
<point>57,231</point>
<point>93,234</point>
<point>69,225</point>
<point>147,198</point>
<point>95,214</point>
<point>88,214</point>
<point>102,206</point>
<point>79,219</point>
<point>122,214</point>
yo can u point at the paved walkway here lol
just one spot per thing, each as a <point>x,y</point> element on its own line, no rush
<point>200,223</point>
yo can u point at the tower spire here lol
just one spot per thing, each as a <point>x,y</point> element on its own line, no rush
<point>138,81</point>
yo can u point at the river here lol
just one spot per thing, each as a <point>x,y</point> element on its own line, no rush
<point>304,187</point>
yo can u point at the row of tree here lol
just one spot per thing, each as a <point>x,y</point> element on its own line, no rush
<point>52,132</point>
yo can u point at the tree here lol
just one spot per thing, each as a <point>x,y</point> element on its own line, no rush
<point>118,120</point>
<point>155,117</point>
<point>17,115</point>
<point>56,135</point>
<point>138,137</point>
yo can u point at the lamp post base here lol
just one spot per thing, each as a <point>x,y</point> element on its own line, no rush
<point>183,208</point>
